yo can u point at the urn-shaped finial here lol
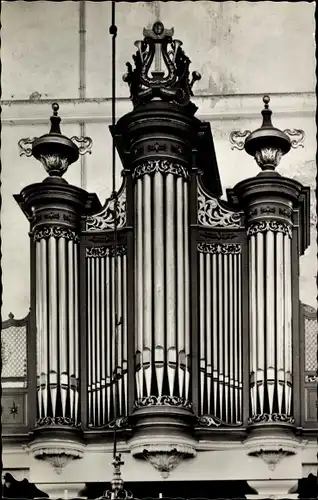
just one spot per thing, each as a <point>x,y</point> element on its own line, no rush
<point>267,144</point>
<point>54,150</point>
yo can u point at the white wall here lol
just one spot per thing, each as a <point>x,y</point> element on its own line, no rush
<point>242,49</point>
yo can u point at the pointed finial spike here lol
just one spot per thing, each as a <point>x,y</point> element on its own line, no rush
<point>266,100</point>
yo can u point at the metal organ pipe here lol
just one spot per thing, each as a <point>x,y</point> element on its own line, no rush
<point>170,281</point>
<point>260,312</point>
<point>270,317</point>
<point>186,292</point>
<point>288,324</point>
<point>139,285</point>
<point>147,282</point>
<point>159,279</point>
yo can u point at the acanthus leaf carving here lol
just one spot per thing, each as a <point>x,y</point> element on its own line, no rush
<point>164,462</point>
<point>163,401</point>
<point>105,251</point>
<point>163,166</point>
<point>212,214</point>
<point>269,225</point>
<point>271,418</point>
<point>222,248</point>
<point>45,232</point>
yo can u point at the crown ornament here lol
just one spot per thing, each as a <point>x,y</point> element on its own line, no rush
<point>161,70</point>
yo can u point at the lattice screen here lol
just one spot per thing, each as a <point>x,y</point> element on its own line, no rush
<point>14,352</point>
<point>311,332</point>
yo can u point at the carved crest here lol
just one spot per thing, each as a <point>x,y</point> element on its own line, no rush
<point>105,219</point>
<point>161,69</point>
<point>212,214</point>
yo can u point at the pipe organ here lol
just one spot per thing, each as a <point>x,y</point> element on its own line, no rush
<point>168,309</point>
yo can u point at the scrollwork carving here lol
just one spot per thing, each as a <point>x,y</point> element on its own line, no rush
<point>223,248</point>
<point>212,421</point>
<point>238,138</point>
<point>106,218</point>
<point>163,401</point>
<point>164,462</point>
<point>97,252</point>
<point>46,232</point>
<point>212,214</point>
<point>85,144</point>
<point>312,379</point>
<point>162,166</point>
<point>271,418</point>
<point>296,136</point>
<point>269,225</point>
<point>23,144</point>
<point>65,421</point>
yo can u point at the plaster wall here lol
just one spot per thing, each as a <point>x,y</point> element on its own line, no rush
<point>242,49</point>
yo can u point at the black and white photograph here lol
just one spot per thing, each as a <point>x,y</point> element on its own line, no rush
<point>158,250</point>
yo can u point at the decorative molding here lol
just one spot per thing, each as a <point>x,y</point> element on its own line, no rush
<point>269,225</point>
<point>58,452</point>
<point>59,421</point>
<point>312,379</point>
<point>238,138</point>
<point>272,458</point>
<point>213,421</point>
<point>268,158</point>
<point>121,423</point>
<point>163,401</point>
<point>105,219</point>
<point>97,252</point>
<point>212,214</point>
<point>46,232</point>
<point>271,418</point>
<point>164,462</point>
<point>96,110</point>
<point>223,248</point>
<point>24,149</point>
<point>85,144</point>
<point>163,166</point>
<point>296,136</point>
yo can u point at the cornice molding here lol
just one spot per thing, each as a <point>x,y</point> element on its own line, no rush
<point>211,108</point>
